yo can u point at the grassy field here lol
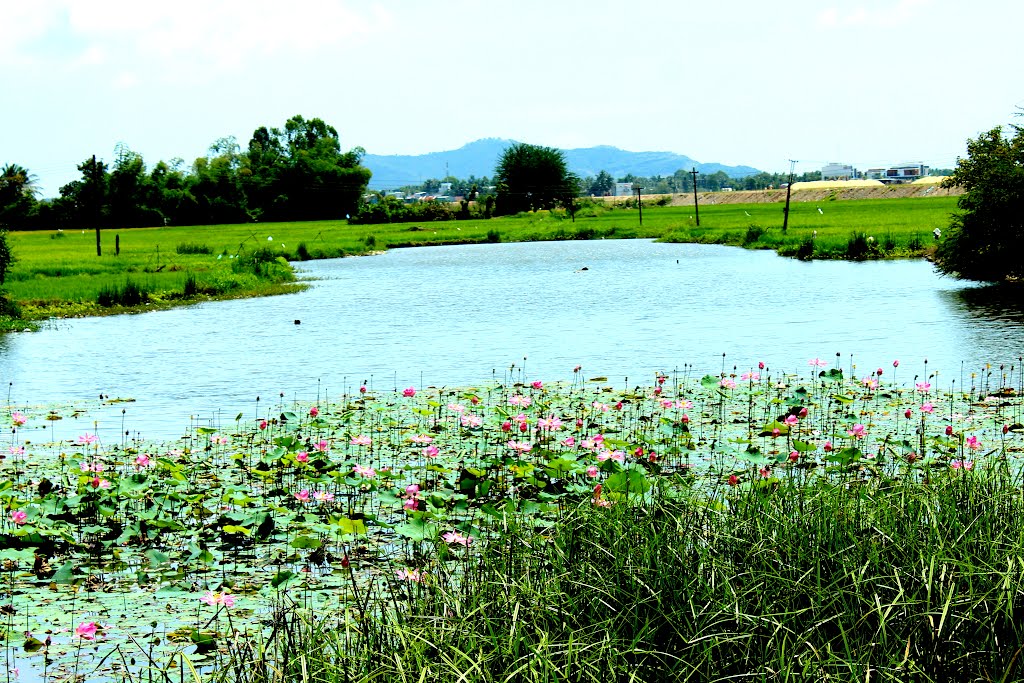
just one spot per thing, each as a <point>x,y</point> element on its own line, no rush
<point>59,274</point>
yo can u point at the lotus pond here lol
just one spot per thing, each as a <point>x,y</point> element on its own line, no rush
<point>134,560</point>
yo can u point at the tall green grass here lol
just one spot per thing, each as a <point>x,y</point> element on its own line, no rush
<point>802,577</point>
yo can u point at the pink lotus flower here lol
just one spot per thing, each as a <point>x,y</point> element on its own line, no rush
<point>86,440</point>
<point>364,471</point>
<point>667,403</point>
<point>827,447</point>
<point>794,456</point>
<point>143,461</point>
<point>218,440</point>
<point>949,430</point>
<point>414,575</point>
<point>973,443</point>
<point>965,464</point>
<point>750,376</point>
<point>302,496</point>
<point>456,407</point>
<point>314,411</point>
<point>520,446</point>
<point>895,363</point>
<point>323,496</point>
<point>592,471</point>
<point>927,408</point>
<point>263,424</point>
<point>923,387</point>
<point>569,441</point>
<point>213,599</point>
<point>764,472</point>
<point>792,420</point>
<point>858,431</point>
<point>506,426</point>
<point>760,365</point>
<point>908,413</point>
<point>362,389</point>
<point>816,363</point>
<point>409,392</point>
<point>727,383</point>
<point>600,407</point>
<point>86,630</point>
<point>551,423</point>
<point>456,538</point>
<point>577,368</point>
<point>421,438</point>
<point>520,400</point>
<point>410,504</point>
<point>430,451</point>
<point>870,382</point>
<point>471,421</point>
<point>18,418</point>
<point>537,384</point>
<point>16,450</point>
<point>361,440</point>
<point>98,483</point>
<point>19,517</point>
<point>302,456</point>
<point>412,490</point>
<point>733,480</point>
<point>321,447</point>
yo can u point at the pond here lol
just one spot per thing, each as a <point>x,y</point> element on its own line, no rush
<point>458,315</point>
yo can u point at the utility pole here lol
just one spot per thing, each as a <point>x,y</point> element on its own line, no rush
<point>789,188</point>
<point>696,210</point>
<point>96,204</point>
<point>640,204</point>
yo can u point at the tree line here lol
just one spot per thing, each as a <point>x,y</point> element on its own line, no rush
<point>296,172</point>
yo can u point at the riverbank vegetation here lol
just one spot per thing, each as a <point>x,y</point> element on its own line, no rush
<point>845,523</point>
<point>57,273</point>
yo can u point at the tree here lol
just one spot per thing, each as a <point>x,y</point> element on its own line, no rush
<point>18,192</point>
<point>529,177</point>
<point>984,240</point>
<point>602,185</point>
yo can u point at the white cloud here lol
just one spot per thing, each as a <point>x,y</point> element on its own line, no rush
<point>873,14</point>
<point>205,37</point>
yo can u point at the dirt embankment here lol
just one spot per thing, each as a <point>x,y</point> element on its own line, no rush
<point>816,194</point>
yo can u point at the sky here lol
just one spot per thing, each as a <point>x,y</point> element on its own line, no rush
<point>864,82</point>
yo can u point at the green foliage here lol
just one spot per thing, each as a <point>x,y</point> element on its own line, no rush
<point>128,294</point>
<point>192,248</point>
<point>986,238</point>
<point>6,256</point>
<point>530,178</point>
<point>753,234</point>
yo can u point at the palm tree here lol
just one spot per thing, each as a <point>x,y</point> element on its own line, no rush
<point>16,181</point>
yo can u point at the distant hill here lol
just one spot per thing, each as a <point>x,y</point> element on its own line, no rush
<point>480,157</point>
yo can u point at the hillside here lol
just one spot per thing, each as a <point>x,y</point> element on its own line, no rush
<point>817,193</point>
<point>480,157</point>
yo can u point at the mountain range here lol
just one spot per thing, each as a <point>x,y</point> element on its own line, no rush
<point>480,157</point>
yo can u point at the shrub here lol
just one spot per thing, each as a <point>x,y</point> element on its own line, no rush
<point>493,236</point>
<point>857,247</point>
<point>130,294</point>
<point>191,248</point>
<point>303,252</point>
<point>753,234</point>
<point>806,249</point>
<point>191,287</point>
<point>370,241</point>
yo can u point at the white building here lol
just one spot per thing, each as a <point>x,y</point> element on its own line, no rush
<point>623,190</point>
<point>899,173</point>
<point>836,171</point>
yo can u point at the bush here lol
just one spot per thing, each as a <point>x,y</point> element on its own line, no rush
<point>191,287</point>
<point>190,248</point>
<point>805,252</point>
<point>753,234</point>
<point>302,252</point>
<point>493,236</point>
<point>857,248</point>
<point>131,294</point>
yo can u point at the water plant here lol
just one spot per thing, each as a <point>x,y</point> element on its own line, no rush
<point>743,523</point>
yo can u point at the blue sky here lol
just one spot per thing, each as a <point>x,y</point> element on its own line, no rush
<point>866,82</point>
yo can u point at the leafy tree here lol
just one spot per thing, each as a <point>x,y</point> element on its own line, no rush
<point>602,185</point>
<point>529,177</point>
<point>18,192</point>
<point>985,239</point>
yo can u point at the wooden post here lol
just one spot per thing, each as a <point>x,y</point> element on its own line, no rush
<point>640,204</point>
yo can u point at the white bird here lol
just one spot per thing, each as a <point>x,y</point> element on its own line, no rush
<point>820,211</point>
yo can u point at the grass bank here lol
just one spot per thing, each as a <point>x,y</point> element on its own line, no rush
<point>58,273</point>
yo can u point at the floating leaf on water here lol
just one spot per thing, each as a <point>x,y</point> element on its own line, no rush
<point>831,376</point>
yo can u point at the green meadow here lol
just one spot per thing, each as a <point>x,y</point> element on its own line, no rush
<point>59,274</point>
